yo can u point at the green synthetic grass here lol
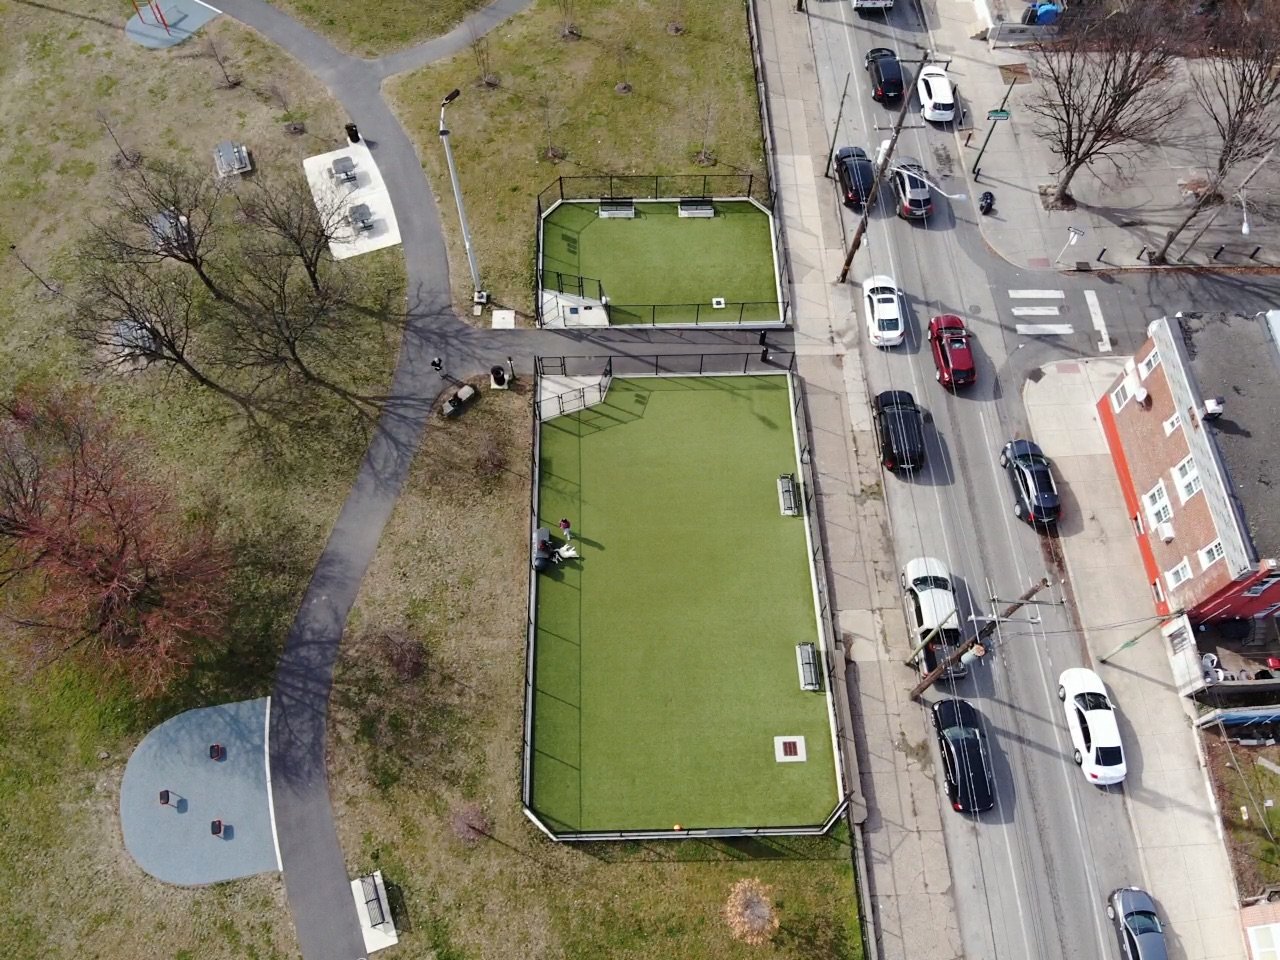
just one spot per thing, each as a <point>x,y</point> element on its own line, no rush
<point>665,658</point>
<point>659,258</point>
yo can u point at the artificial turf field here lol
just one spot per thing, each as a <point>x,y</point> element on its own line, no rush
<point>660,259</point>
<point>664,659</point>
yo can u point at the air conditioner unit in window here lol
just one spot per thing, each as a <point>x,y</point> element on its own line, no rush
<point>1165,531</point>
<point>1142,398</point>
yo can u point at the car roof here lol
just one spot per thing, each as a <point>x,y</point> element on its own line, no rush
<point>1103,728</point>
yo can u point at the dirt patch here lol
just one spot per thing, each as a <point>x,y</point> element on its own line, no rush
<point>1051,201</point>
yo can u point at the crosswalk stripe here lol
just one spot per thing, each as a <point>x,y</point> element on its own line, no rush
<point>1037,294</point>
<point>1034,311</point>
<point>1099,322</point>
<point>1044,329</point>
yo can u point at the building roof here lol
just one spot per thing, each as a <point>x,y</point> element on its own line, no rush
<point>1236,358</point>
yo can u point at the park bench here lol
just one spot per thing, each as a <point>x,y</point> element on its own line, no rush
<point>788,495</point>
<point>807,660</point>
<point>622,208</point>
<point>696,207</point>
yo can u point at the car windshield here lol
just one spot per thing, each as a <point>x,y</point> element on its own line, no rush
<point>1110,757</point>
<point>1143,922</point>
<point>1093,701</point>
<point>931,583</point>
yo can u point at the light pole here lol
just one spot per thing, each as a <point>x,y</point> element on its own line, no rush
<point>478,296</point>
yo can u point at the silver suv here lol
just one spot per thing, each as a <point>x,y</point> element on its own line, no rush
<point>931,609</point>
<point>911,189</point>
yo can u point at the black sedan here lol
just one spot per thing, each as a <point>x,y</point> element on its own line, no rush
<point>965,761</point>
<point>1138,928</point>
<point>856,175</point>
<point>1035,495</point>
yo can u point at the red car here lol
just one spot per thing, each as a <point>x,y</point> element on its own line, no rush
<point>952,354</point>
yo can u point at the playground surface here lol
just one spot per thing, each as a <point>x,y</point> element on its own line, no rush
<point>177,21</point>
<point>665,657</point>
<point>173,840</point>
<point>659,267</point>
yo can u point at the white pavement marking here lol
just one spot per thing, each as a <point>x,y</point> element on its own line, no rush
<point>1044,329</point>
<point>1037,294</point>
<point>271,804</point>
<point>1034,311</point>
<point>1099,324</point>
<point>209,5</point>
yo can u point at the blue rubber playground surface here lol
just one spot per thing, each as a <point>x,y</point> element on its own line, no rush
<point>179,21</point>
<point>173,842</point>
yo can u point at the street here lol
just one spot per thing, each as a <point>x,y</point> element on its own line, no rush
<point>1030,876</point>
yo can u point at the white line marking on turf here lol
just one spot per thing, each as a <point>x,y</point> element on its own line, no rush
<point>271,802</point>
<point>1099,324</point>
<point>1035,311</point>
<point>1044,329</point>
<point>1036,294</point>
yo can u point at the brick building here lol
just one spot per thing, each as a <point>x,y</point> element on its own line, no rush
<point>1193,426</point>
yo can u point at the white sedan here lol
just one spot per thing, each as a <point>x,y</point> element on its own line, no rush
<point>937,99</point>
<point>883,303</point>
<point>1091,721</point>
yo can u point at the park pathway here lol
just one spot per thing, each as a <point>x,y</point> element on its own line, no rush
<point>315,870</point>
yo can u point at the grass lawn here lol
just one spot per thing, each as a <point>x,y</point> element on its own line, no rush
<point>1241,782</point>
<point>67,887</point>
<point>665,658</point>
<point>688,91</point>
<point>661,258</point>
<point>372,29</point>
<point>418,753</point>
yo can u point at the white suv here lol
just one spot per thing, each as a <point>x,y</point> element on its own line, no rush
<point>931,608</point>
<point>937,99</point>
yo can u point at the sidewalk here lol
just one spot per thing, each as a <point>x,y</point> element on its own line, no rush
<point>1121,211</point>
<point>1167,793</point>
<point>907,872</point>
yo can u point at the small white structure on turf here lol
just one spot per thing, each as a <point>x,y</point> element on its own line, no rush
<point>374,910</point>
<point>352,198</point>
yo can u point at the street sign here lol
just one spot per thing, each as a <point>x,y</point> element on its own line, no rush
<point>1075,231</point>
<point>997,114</point>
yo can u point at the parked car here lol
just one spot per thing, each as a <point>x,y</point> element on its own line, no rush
<point>885,73</point>
<point>931,611</point>
<point>911,189</point>
<point>937,99</point>
<point>1035,495</point>
<point>899,431</point>
<point>855,174</point>
<point>883,305</point>
<point>966,763</point>
<point>1091,722</point>
<point>952,352</point>
<point>1138,928</point>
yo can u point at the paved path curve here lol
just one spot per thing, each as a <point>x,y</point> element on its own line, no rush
<point>315,870</point>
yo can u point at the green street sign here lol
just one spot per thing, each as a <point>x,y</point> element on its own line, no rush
<point>997,114</point>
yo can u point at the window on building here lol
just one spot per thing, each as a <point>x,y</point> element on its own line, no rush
<point>1149,363</point>
<point>1187,478</point>
<point>1172,424</point>
<point>1178,575</point>
<point>1261,587</point>
<point>1156,500</point>
<point>1211,554</point>
<point>1120,395</point>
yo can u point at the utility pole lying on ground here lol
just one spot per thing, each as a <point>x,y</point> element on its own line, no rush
<point>976,640</point>
<point>882,164</point>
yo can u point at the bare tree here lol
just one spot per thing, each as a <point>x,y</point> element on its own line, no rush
<point>106,561</point>
<point>132,317</point>
<point>285,210</point>
<point>675,25</point>
<point>622,53</point>
<point>164,212</point>
<point>484,59</point>
<point>568,29</point>
<point>124,159</point>
<point>1101,91</point>
<point>550,118</point>
<point>1238,88</point>
<point>750,913</point>
<point>229,80</point>
<point>706,157</point>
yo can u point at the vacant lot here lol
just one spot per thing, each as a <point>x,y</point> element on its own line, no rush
<point>372,29</point>
<point>689,93</point>
<point>1243,784</point>
<point>425,745</point>
<point>67,888</point>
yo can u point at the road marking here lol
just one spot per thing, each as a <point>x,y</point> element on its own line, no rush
<point>1044,329</point>
<point>1099,324</point>
<point>1036,294</point>
<point>1035,311</point>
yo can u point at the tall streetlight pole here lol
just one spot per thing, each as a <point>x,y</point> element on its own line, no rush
<point>881,166</point>
<point>478,296</point>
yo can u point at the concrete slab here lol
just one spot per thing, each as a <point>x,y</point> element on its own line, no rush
<point>173,842</point>
<point>337,200</point>
<point>179,20</point>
